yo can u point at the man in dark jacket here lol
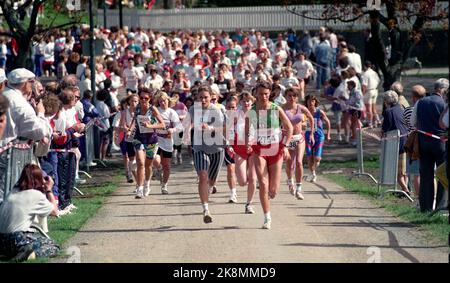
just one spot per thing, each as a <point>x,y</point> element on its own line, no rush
<point>432,151</point>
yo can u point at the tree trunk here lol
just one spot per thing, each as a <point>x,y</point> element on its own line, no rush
<point>23,59</point>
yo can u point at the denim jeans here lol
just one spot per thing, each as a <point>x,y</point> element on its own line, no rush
<point>66,177</point>
<point>323,74</point>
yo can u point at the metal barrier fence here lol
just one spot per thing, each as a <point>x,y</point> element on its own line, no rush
<point>267,18</point>
<point>360,158</point>
<point>17,156</point>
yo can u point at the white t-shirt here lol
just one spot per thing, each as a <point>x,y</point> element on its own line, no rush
<point>20,208</point>
<point>370,79</point>
<point>171,120</point>
<point>49,51</point>
<point>132,77</point>
<point>304,69</point>
<point>155,83</point>
<point>289,82</point>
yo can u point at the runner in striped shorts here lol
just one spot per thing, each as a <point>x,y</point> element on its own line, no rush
<point>208,144</point>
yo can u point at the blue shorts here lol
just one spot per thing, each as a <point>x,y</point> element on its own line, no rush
<point>315,149</point>
<point>412,167</point>
<point>127,148</point>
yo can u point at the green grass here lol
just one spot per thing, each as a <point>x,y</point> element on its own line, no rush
<point>436,227</point>
<point>63,228</point>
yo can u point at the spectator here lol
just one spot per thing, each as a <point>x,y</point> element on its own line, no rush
<point>425,117</point>
<point>412,166</point>
<point>4,105</point>
<point>393,120</point>
<point>21,118</point>
<point>31,196</point>
<point>398,88</point>
<point>370,83</point>
<point>323,55</point>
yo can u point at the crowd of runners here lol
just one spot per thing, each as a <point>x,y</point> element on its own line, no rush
<point>240,99</point>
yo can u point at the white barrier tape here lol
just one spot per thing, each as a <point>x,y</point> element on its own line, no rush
<point>377,136</point>
<point>429,134</point>
<point>61,150</point>
<point>17,146</point>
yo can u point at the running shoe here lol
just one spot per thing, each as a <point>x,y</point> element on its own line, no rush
<point>314,178</point>
<point>146,191</point>
<point>207,217</point>
<point>139,193</point>
<point>299,195</point>
<point>233,198</point>
<point>212,190</point>
<point>164,190</point>
<point>249,209</point>
<point>267,224</point>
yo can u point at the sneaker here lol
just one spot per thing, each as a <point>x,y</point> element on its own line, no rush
<point>146,191</point>
<point>64,211</point>
<point>179,159</point>
<point>212,190</point>
<point>25,252</point>
<point>71,206</point>
<point>139,193</point>
<point>233,198</point>
<point>267,224</point>
<point>290,187</point>
<point>92,164</point>
<point>249,209</point>
<point>340,138</point>
<point>299,195</point>
<point>164,190</point>
<point>207,217</point>
<point>314,178</point>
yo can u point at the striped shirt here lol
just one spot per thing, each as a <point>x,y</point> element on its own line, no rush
<point>407,117</point>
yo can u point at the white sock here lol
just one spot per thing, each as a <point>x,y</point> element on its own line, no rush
<point>233,191</point>
<point>313,172</point>
<point>140,188</point>
<point>147,183</point>
<point>299,186</point>
<point>205,206</point>
<point>267,216</point>
<point>290,181</point>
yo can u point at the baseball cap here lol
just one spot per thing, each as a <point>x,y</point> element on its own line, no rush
<point>20,75</point>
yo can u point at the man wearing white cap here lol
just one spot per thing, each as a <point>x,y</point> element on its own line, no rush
<point>21,119</point>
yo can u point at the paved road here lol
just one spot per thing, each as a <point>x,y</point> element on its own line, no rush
<point>330,225</point>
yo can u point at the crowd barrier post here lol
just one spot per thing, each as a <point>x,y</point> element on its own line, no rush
<point>360,158</point>
<point>389,164</point>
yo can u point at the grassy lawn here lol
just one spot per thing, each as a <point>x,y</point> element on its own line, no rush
<point>436,227</point>
<point>63,228</point>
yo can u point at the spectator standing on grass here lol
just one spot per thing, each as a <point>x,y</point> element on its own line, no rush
<point>393,120</point>
<point>21,118</point>
<point>412,166</point>
<point>425,117</point>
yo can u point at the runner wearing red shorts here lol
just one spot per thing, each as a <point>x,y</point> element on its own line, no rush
<point>264,125</point>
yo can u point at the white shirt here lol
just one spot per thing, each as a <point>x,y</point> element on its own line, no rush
<point>20,208</point>
<point>21,119</point>
<point>304,69</point>
<point>49,52</point>
<point>155,83</point>
<point>354,60</point>
<point>171,120</point>
<point>289,82</point>
<point>370,79</point>
<point>132,78</point>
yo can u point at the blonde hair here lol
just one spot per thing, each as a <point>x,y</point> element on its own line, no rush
<point>162,95</point>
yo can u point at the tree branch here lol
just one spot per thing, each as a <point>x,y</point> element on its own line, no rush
<point>25,5</point>
<point>327,18</point>
<point>33,17</point>
<point>56,27</point>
